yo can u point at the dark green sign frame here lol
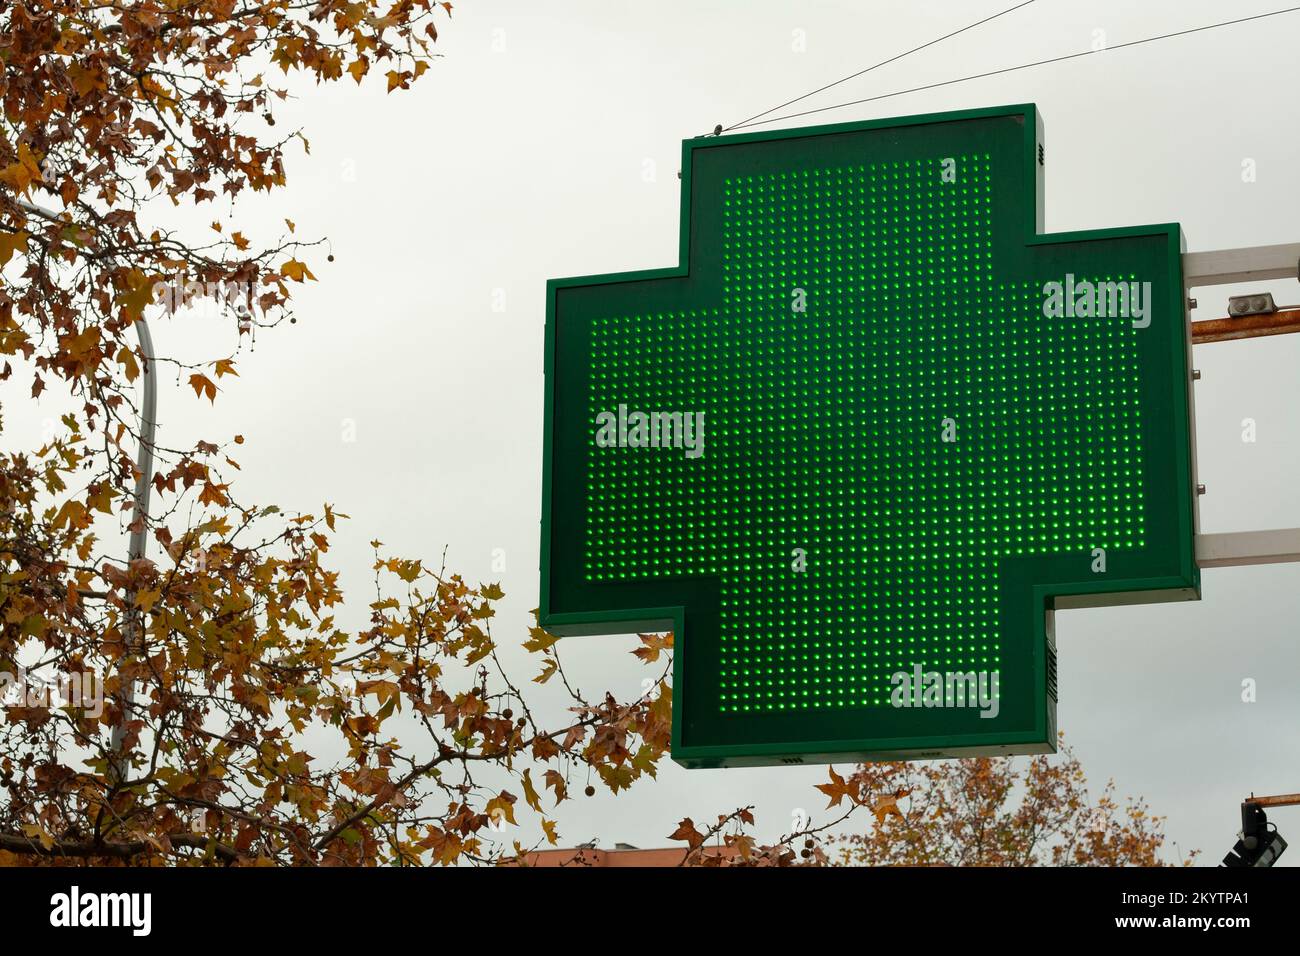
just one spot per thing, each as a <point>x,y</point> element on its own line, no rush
<point>874,424</point>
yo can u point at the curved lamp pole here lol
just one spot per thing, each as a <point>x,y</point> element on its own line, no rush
<point>140,516</point>
<point>139,532</point>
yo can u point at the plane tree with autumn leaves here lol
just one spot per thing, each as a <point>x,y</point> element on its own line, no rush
<point>220,655</point>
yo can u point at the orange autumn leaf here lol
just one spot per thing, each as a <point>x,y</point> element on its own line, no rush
<point>838,789</point>
<point>298,271</point>
<point>888,805</point>
<point>548,827</point>
<point>11,242</point>
<point>202,386</point>
<point>652,645</point>
<point>687,832</point>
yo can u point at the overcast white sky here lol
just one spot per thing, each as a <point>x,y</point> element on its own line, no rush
<point>546,144</point>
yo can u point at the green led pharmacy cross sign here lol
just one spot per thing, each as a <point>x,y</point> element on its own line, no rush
<point>864,440</point>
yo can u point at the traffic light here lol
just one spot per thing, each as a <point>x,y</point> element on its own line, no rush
<point>1260,844</point>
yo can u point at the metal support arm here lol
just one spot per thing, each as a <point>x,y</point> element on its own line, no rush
<point>1240,548</point>
<point>1253,264</point>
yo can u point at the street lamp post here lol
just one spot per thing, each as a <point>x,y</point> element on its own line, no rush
<point>138,541</point>
<point>139,530</point>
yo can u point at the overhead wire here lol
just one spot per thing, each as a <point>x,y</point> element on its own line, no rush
<point>876,66</point>
<point>754,121</point>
